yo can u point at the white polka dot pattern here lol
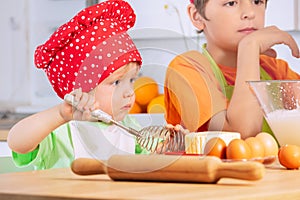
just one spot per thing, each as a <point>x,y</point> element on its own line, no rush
<point>88,48</point>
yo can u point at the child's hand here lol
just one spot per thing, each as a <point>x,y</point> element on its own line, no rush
<point>84,105</point>
<point>164,144</point>
<point>267,37</point>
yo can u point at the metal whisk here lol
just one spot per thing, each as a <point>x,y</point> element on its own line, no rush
<point>156,139</point>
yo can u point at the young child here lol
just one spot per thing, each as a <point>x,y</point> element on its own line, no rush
<point>209,90</point>
<point>92,58</point>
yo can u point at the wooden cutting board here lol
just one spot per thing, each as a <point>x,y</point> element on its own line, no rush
<point>169,168</point>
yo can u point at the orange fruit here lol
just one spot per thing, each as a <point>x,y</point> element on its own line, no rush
<point>289,156</point>
<point>238,149</point>
<point>157,105</point>
<point>215,147</point>
<point>136,108</point>
<point>145,89</point>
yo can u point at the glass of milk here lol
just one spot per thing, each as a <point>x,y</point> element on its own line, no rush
<point>280,102</point>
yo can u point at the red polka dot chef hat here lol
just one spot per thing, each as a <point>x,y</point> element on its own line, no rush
<point>84,51</point>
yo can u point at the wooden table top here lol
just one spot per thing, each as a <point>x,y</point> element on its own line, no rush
<point>278,183</point>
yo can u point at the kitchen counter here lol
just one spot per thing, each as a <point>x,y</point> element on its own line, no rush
<point>7,120</point>
<point>278,183</point>
<point>4,149</point>
<point>3,134</point>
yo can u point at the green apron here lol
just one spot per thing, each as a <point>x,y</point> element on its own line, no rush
<point>228,89</point>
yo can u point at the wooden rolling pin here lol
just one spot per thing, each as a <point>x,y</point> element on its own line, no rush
<point>207,169</point>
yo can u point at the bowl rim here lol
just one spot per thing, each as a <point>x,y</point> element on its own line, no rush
<point>274,81</point>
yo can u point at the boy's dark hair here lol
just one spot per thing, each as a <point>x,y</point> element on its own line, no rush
<point>200,5</point>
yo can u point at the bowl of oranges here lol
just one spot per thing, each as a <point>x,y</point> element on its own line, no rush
<point>148,99</point>
<point>149,107</point>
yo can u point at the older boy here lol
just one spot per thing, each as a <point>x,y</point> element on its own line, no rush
<point>209,91</point>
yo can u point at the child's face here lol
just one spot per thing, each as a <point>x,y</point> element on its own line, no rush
<point>229,21</point>
<point>115,95</point>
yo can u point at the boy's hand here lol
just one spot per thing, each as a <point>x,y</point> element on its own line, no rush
<point>269,36</point>
<point>84,104</point>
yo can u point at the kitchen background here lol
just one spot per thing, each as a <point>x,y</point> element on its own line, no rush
<point>162,30</point>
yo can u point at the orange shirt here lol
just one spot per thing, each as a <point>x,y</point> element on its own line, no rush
<point>193,94</point>
<point>278,69</point>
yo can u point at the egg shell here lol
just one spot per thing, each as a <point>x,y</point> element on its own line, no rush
<point>238,149</point>
<point>269,142</point>
<point>215,147</point>
<point>256,146</point>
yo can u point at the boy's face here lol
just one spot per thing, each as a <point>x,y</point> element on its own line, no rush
<point>115,95</point>
<point>229,21</point>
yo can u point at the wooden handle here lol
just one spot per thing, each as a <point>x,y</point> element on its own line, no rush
<point>171,168</point>
<point>247,170</point>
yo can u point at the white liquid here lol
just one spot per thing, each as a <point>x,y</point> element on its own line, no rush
<point>285,125</point>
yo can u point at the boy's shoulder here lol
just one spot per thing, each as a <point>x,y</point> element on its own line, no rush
<point>192,57</point>
<point>193,53</point>
<point>194,60</point>
<point>189,54</point>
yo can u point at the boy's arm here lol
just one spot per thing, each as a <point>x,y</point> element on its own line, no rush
<point>244,114</point>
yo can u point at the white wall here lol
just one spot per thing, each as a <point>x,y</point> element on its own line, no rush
<point>14,70</point>
<point>28,23</point>
<point>285,53</point>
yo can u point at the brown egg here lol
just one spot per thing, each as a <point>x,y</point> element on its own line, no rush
<point>289,156</point>
<point>238,149</point>
<point>215,147</point>
<point>270,144</point>
<point>257,148</point>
